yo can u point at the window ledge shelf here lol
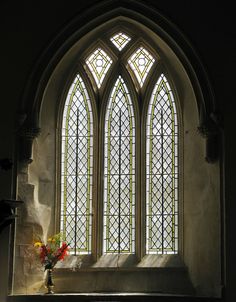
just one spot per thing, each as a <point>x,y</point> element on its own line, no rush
<point>62,297</point>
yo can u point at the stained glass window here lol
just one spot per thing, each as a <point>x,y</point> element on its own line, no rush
<point>119,172</point>
<point>141,62</point>
<point>77,169</point>
<point>117,224</point>
<point>99,63</point>
<point>162,171</point>
<point>120,40</point>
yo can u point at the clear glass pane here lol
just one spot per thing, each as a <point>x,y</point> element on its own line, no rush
<point>119,172</point>
<point>77,169</point>
<point>99,63</point>
<point>120,40</point>
<point>141,62</point>
<point>161,171</point>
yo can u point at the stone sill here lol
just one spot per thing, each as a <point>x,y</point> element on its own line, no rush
<point>121,261</point>
<point>116,297</point>
<point>126,280</point>
<point>65,270</point>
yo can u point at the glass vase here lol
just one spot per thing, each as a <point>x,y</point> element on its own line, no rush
<point>49,282</point>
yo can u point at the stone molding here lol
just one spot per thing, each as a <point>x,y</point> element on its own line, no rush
<point>26,137</point>
<point>210,130</point>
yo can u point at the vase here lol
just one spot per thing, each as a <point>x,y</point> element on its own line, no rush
<point>49,282</point>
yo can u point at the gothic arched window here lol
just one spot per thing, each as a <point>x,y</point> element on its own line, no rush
<point>162,171</point>
<point>123,216</point>
<point>77,168</point>
<point>119,166</point>
<point>119,172</point>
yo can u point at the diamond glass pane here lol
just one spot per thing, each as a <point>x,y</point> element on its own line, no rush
<point>119,172</point>
<point>120,40</point>
<point>141,62</point>
<point>99,63</point>
<point>162,171</point>
<point>77,169</point>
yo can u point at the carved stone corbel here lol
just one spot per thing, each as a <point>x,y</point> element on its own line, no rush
<point>210,130</point>
<point>26,137</point>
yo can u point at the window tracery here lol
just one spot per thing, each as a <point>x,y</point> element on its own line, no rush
<point>119,161</point>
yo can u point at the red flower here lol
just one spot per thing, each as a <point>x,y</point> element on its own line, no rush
<point>51,252</point>
<point>62,251</point>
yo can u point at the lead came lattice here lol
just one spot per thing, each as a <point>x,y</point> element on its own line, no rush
<point>141,62</point>
<point>120,40</point>
<point>99,63</point>
<point>77,169</point>
<point>119,172</point>
<point>162,171</point>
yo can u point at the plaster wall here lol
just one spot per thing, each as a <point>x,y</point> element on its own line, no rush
<point>202,232</point>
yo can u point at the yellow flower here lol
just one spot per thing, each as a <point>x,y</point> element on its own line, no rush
<point>51,239</point>
<point>38,244</point>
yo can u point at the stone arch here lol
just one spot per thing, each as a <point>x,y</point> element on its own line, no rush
<point>37,182</point>
<point>29,109</point>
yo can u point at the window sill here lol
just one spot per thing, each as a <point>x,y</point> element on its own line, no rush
<point>108,297</point>
<point>122,261</point>
<point>122,273</point>
<point>129,280</point>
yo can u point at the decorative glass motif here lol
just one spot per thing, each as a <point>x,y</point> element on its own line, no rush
<point>120,40</point>
<point>119,172</point>
<point>99,63</point>
<point>77,169</point>
<point>141,62</point>
<point>162,171</point>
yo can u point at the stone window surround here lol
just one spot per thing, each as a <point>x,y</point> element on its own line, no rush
<point>188,131</point>
<point>100,97</point>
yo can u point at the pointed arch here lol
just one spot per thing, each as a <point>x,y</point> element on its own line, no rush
<point>162,171</point>
<point>196,102</point>
<point>140,14</point>
<point>119,172</point>
<point>77,168</point>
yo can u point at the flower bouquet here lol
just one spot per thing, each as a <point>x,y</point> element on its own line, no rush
<point>50,253</point>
